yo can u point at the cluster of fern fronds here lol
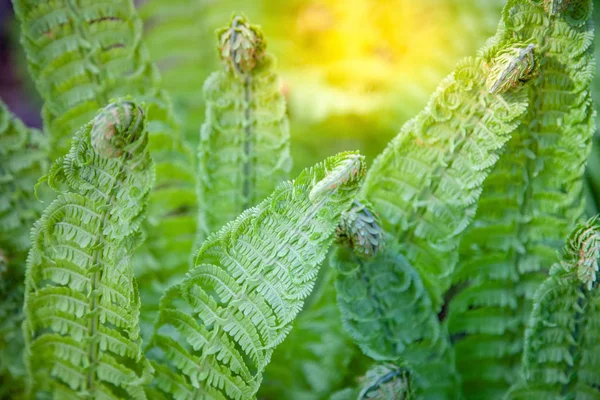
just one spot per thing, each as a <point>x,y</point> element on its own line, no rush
<point>132,267</point>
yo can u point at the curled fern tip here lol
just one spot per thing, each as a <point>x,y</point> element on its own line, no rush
<point>241,46</point>
<point>117,128</point>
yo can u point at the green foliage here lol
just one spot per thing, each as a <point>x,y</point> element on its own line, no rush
<point>317,355</point>
<point>22,161</point>
<point>81,299</point>
<point>426,183</point>
<point>217,329</point>
<point>562,341</point>
<point>530,201</point>
<point>82,54</point>
<point>245,136</point>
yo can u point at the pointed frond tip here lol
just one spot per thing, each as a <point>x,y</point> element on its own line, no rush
<point>241,45</point>
<point>513,64</point>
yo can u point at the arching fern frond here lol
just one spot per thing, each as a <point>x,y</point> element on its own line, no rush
<point>244,141</point>
<point>81,301</point>
<point>562,341</point>
<point>23,160</point>
<point>81,55</point>
<point>218,327</point>
<point>530,201</point>
<point>426,183</point>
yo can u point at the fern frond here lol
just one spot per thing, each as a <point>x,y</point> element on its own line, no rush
<point>23,159</point>
<point>426,183</point>
<point>177,34</point>
<point>244,141</point>
<point>562,341</point>
<point>81,300</point>
<point>81,55</point>
<point>218,327</point>
<point>530,201</point>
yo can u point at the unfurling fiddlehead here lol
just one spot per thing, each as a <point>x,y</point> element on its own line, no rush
<point>530,202</point>
<point>244,141</point>
<point>218,327</point>
<point>562,341</point>
<point>81,301</point>
<point>23,160</point>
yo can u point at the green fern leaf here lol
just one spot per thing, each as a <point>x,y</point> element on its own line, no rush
<point>426,183</point>
<point>81,299</point>
<point>244,142</point>
<point>530,201</point>
<point>82,54</point>
<point>22,160</point>
<point>218,327</point>
<point>562,341</point>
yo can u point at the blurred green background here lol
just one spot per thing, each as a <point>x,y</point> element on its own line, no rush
<point>353,71</point>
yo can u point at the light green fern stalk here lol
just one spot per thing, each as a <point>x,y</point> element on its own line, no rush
<point>22,161</point>
<point>218,327</point>
<point>562,341</point>
<point>244,141</point>
<point>81,301</point>
<point>530,201</point>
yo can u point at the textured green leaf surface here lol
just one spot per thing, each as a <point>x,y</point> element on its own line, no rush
<point>244,141</point>
<point>23,160</point>
<point>562,341</point>
<point>81,299</point>
<point>82,54</point>
<point>426,183</point>
<point>218,327</point>
<point>530,201</point>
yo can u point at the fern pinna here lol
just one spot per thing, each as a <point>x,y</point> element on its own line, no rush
<point>530,201</point>
<point>217,328</point>
<point>244,141</point>
<point>81,54</point>
<point>22,162</point>
<point>81,301</point>
<point>562,341</point>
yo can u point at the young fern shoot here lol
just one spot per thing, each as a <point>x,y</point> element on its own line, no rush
<point>81,300</point>
<point>562,342</point>
<point>426,183</point>
<point>218,327</point>
<point>22,161</point>
<point>531,200</point>
<point>244,141</point>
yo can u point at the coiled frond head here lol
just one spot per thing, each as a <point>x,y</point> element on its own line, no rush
<point>582,251</point>
<point>241,46</point>
<point>511,65</point>
<point>118,128</point>
<point>360,230</point>
<point>386,381</point>
<point>346,170</point>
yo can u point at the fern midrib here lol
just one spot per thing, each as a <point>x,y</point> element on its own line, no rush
<point>93,324</point>
<point>248,145</point>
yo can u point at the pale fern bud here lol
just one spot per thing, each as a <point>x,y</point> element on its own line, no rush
<point>117,128</point>
<point>241,46</point>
